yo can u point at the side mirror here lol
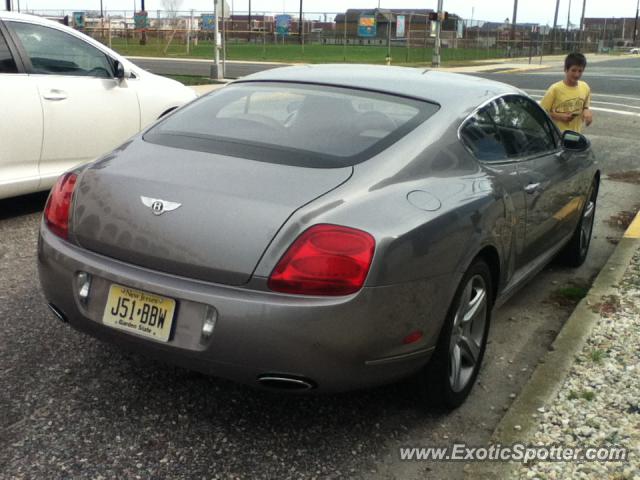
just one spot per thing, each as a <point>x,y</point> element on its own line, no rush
<point>574,141</point>
<point>119,70</point>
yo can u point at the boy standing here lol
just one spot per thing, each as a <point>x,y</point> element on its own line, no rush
<point>568,100</point>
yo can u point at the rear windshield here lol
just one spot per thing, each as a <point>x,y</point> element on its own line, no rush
<point>296,124</point>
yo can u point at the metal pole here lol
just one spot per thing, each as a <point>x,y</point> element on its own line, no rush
<point>344,43</point>
<point>389,25</point>
<point>435,61</point>
<point>189,33</point>
<point>635,24</point>
<point>513,20</point>
<point>249,21</point>
<point>582,35</point>
<point>300,29</point>
<point>224,43</point>
<point>555,27</point>
<point>408,36</point>
<point>216,73</point>
<point>568,23</point>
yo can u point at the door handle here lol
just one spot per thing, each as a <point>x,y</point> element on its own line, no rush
<point>55,95</point>
<point>532,188</point>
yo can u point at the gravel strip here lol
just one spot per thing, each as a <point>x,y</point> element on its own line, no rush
<point>599,402</point>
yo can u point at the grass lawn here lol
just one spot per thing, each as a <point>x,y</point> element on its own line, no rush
<point>308,54</point>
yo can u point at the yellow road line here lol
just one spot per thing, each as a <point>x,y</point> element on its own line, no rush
<point>634,229</point>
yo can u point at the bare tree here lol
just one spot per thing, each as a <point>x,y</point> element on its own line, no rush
<point>172,7</point>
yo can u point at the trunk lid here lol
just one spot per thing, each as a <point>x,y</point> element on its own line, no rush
<point>230,209</point>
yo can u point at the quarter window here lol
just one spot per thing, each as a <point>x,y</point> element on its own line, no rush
<point>57,53</point>
<point>7,63</point>
<point>522,126</point>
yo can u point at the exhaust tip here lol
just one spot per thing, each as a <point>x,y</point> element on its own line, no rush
<point>286,382</point>
<point>58,313</point>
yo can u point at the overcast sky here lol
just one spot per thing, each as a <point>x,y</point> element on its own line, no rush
<point>538,11</point>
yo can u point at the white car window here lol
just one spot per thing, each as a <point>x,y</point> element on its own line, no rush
<point>57,53</point>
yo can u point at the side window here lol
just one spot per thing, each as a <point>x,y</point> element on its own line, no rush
<point>7,63</point>
<point>480,134</point>
<point>522,126</point>
<point>57,53</point>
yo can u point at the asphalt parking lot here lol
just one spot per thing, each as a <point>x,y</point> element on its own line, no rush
<point>72,407</point>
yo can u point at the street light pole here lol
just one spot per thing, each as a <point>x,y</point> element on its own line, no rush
<point>435,61</point>
<point>513,21</point>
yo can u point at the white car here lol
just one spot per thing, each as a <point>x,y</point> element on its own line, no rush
<point>634,50</point>
<point>65,99</point>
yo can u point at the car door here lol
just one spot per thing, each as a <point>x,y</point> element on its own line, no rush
<point>480,135</point>
<point>86,111</point>
<point>20,123</point>
<point>545,173</point>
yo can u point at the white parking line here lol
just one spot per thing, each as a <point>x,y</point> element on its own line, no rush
<point>619,112</point>
<point>608,110</point>
<point>599,102</point>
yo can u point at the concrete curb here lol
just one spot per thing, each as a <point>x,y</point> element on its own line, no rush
<point>519,423</point>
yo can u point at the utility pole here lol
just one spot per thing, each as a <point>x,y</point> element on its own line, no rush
<point>8,5</point>
<point>513,21</point>
<point>555,26</point>
<point>568,23</point>
<point>635,25</point>
<point>435,61</point>
<point>300,26</point>
<point>582,29</point>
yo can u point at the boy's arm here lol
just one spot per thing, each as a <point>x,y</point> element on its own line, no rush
<point>587,115</point>
<point>547,104</point>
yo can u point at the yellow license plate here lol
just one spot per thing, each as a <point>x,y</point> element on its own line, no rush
<point>139,312</point>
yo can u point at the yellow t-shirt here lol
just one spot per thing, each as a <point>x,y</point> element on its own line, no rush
<point>561,98</point>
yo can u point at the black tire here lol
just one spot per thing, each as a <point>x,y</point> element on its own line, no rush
<point>437,381</point>
<point>575,252</point>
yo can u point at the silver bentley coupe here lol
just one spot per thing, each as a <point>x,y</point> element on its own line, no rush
<point>321,228</point>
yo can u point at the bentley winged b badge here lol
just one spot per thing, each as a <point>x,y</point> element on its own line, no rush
<point>158,206</point>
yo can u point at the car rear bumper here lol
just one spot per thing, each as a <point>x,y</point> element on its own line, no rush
<point>340,343</point>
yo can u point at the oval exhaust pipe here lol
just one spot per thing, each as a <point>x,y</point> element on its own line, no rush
<point>285,382</point>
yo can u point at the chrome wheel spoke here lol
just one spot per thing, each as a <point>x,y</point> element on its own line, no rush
<point>463,306</point>
<point>455,367</point>
<point>475,306</point>
<point>470,350</point>
<point>587,225</point>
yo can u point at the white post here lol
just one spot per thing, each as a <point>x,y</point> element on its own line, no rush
<point>189,33</point>
<point>435,61</point>
<point>216,71</point>
<point>109,20</point>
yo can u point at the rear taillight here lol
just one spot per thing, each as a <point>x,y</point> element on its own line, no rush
<point>56,212</point>
<point>325,260</point>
